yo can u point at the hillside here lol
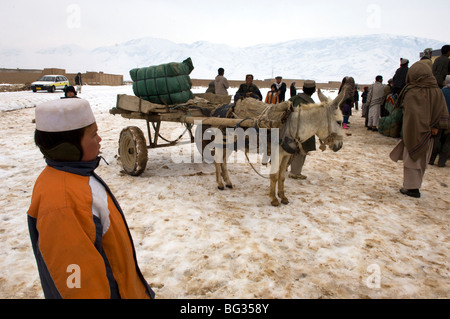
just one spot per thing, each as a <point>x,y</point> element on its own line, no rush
<point>321,59</point>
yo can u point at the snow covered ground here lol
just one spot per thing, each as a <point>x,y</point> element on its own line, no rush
<point>347,233</point>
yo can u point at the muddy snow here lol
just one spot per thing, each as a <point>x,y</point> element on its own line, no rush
<point>347,232</point>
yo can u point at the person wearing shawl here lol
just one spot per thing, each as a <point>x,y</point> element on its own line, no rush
<point>424,112</point>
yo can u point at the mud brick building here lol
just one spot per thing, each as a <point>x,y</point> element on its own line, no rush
<point>27,76</point>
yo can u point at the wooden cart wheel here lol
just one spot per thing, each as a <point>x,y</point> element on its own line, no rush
<point>133,151</point>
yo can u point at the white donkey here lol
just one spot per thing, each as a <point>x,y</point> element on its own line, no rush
<point>323,120</point>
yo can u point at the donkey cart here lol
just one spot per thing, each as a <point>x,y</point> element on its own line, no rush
<point>205,109</point>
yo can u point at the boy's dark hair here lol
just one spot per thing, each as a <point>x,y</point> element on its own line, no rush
<point>309,91</point>
<point>68,89</point>
<point>445,49</point>
<point>60,146</point>
<point>378,78</point>
<point>221,71</point>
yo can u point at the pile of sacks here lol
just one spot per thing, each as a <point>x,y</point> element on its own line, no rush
<point>166,84</point>
<point>256,109</point>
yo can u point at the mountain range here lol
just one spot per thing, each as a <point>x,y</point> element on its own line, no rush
<point>320,59</point>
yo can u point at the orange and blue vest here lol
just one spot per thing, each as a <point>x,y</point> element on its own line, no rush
<point>77,225</point>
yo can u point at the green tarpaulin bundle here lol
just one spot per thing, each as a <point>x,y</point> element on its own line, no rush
<point>391,125</point>
<point>167,84</point>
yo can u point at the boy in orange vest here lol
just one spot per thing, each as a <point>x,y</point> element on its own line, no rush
<point>79,234</point>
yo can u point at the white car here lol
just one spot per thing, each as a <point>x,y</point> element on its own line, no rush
<point>50,83</point>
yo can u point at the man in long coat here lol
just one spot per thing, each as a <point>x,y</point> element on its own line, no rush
<point>400,76</point>
<point>424,113</point>
<point>441,66</point>
<point>374,100</point>
<point>281,88</point>
<point>221,83</point>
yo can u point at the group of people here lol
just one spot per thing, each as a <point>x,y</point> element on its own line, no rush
<point>425,132</point>
<point>423,93</point>
<point>277,94</point>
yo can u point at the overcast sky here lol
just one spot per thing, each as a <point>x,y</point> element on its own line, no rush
<point>95,23</point>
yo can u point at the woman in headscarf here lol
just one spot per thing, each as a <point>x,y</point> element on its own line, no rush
<point>424,113</point>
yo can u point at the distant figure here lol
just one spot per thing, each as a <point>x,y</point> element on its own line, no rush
<point>272,96</point>
<point>346,113</point>
<point>400,76</point>
<point>356,98</point>
<point>281,88</point>
<point>221,83</point>
<point>441,66</point>
<point>78,82</point>
<point>248,89</point>
<point>211,87</point>
<point>293,89</point>
<point>374,100</point>
<point>365,108</point>
<point>427,53</point>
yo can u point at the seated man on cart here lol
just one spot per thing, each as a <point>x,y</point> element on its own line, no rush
<point>248,89</point>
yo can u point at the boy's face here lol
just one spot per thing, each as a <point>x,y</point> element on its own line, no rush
<point>90,143</point>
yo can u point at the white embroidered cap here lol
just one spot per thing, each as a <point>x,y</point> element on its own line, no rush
<point>63,115</point>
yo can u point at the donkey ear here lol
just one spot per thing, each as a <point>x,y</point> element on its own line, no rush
<point>337,101</point>
<point>322,96</point>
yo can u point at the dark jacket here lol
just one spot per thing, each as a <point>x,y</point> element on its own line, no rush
<point>253,89</point>
<point>78,80</point>
<point>441,68</point>
<point>400,79</point>
<point>364,96</point>
<point>293,90</point>
<point>346,110</point>
<point>446,91</point>
<point>282,92</point>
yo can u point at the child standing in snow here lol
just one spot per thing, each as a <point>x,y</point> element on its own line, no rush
<point>272,96</point>
<point>346,112</point>
<point>79,234</point>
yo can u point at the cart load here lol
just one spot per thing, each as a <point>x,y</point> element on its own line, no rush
<point>166,84</point>
<point>256,109</point>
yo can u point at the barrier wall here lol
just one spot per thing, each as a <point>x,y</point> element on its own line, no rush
<point>27,76</point>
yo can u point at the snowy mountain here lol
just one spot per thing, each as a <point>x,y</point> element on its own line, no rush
<point>321,59</point>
